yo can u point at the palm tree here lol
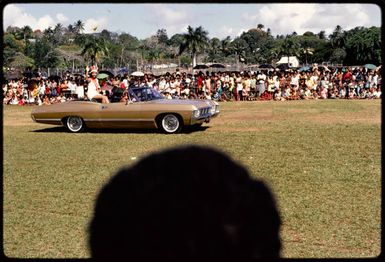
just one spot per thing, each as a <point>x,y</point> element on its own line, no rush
<point>225,46</point>
<point>93,49</point>
<point>214,49</point>
<point>239,47</point>
<point>58,33</point>
<point>307,51</point>
<point>338,37</point>
<point>195,40</point>
<point>291,47</point>
<point>71,28</point>
<point>321,35</point>
<point>78,26</point>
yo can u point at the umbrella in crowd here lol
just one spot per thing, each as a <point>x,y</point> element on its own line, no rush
<point>217,65</point>
<point>106,72</point>
<point>102,76</point>
<point>123,70</point>
<point>265,66</point>
<point>137,73</point>
<point>283,67</point>
<point>30,74</point>
<point>370,66</point>
<point>305,68</point>
<point>200,66</point>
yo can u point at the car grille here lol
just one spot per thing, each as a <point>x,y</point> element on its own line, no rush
<point>204,111</point>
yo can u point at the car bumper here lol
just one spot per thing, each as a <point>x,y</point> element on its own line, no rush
<point>201,120</point>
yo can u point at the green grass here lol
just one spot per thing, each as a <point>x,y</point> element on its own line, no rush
<point>322,159</point>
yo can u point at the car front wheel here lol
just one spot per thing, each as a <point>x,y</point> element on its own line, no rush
<point>170,124</point>
<point>74,124</point>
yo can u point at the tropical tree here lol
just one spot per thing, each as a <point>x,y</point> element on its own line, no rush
<point>239,47</point>
<point>45,54</point>
<point>11,46</point>
<point>337,38</point>
<point>161,34</point>
<point>21,61</point>
<point>214,49</point>
<point>78,26</point>
<point>226,46</point>
<point>307,51</point>
<point>321,35</point>
<point>338,55</point>
<point>194,41</point>
<point>27,32</point>
<point>93,48</point>
<point>291,47</point>
<point>128,44</point>
<point>365,44</point>
<point>58,32</point>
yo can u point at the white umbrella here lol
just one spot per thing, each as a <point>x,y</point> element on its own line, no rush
<point>137,73</point>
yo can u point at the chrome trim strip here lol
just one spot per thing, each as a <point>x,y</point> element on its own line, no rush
<point>119,119</point>
<point>48,119</point>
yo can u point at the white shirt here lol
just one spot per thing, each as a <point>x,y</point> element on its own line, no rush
<point>261,78</point>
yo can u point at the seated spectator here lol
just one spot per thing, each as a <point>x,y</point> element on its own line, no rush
<point>14,100</point>
<point>124,97</point>
<point>323,93</point>
<point>21,101</point>
<point>352,92</point>
<point>7,98</point>
<point>278,95</point>
<point>293,94</point>
<point>215,209</point>
<point>377,93</point>
<point>245,94</point>
<point>308,94</point>
<point>315,94</point>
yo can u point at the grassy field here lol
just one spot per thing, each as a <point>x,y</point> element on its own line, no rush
<point>322,160</point>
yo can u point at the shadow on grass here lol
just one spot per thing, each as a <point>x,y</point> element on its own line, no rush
<point>61,129</point>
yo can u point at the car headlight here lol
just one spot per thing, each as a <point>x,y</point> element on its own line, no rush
<point>213,110</point>
<point>196,113</point>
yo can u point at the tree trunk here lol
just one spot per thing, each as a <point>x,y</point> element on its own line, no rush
<point>194,59</point>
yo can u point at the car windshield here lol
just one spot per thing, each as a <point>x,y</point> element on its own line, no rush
<point>144,94</point>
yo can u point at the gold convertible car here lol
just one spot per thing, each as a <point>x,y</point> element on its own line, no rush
<point>145,108</point>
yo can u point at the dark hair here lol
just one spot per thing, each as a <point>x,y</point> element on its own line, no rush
<point>204,204</point>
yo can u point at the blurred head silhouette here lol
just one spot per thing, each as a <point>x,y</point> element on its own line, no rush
<point>201,204</point>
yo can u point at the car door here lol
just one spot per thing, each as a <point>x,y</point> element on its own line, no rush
<point>125,115</point>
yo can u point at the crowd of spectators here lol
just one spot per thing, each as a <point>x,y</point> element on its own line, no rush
<point>265,84</point>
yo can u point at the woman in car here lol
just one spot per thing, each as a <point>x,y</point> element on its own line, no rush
<point>93,91</point>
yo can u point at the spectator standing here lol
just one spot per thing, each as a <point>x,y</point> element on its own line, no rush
<point>346,80</point>
<point>261,78</point>
<point>238,82</point>
<point>41,87</point>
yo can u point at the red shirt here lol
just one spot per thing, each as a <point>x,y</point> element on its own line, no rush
<point>347,76</point>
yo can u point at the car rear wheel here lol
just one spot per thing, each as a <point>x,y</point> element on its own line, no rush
<point>170,124</point>
<point>74,124</point>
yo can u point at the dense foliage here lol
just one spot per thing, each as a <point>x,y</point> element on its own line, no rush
<point>68,47</point>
